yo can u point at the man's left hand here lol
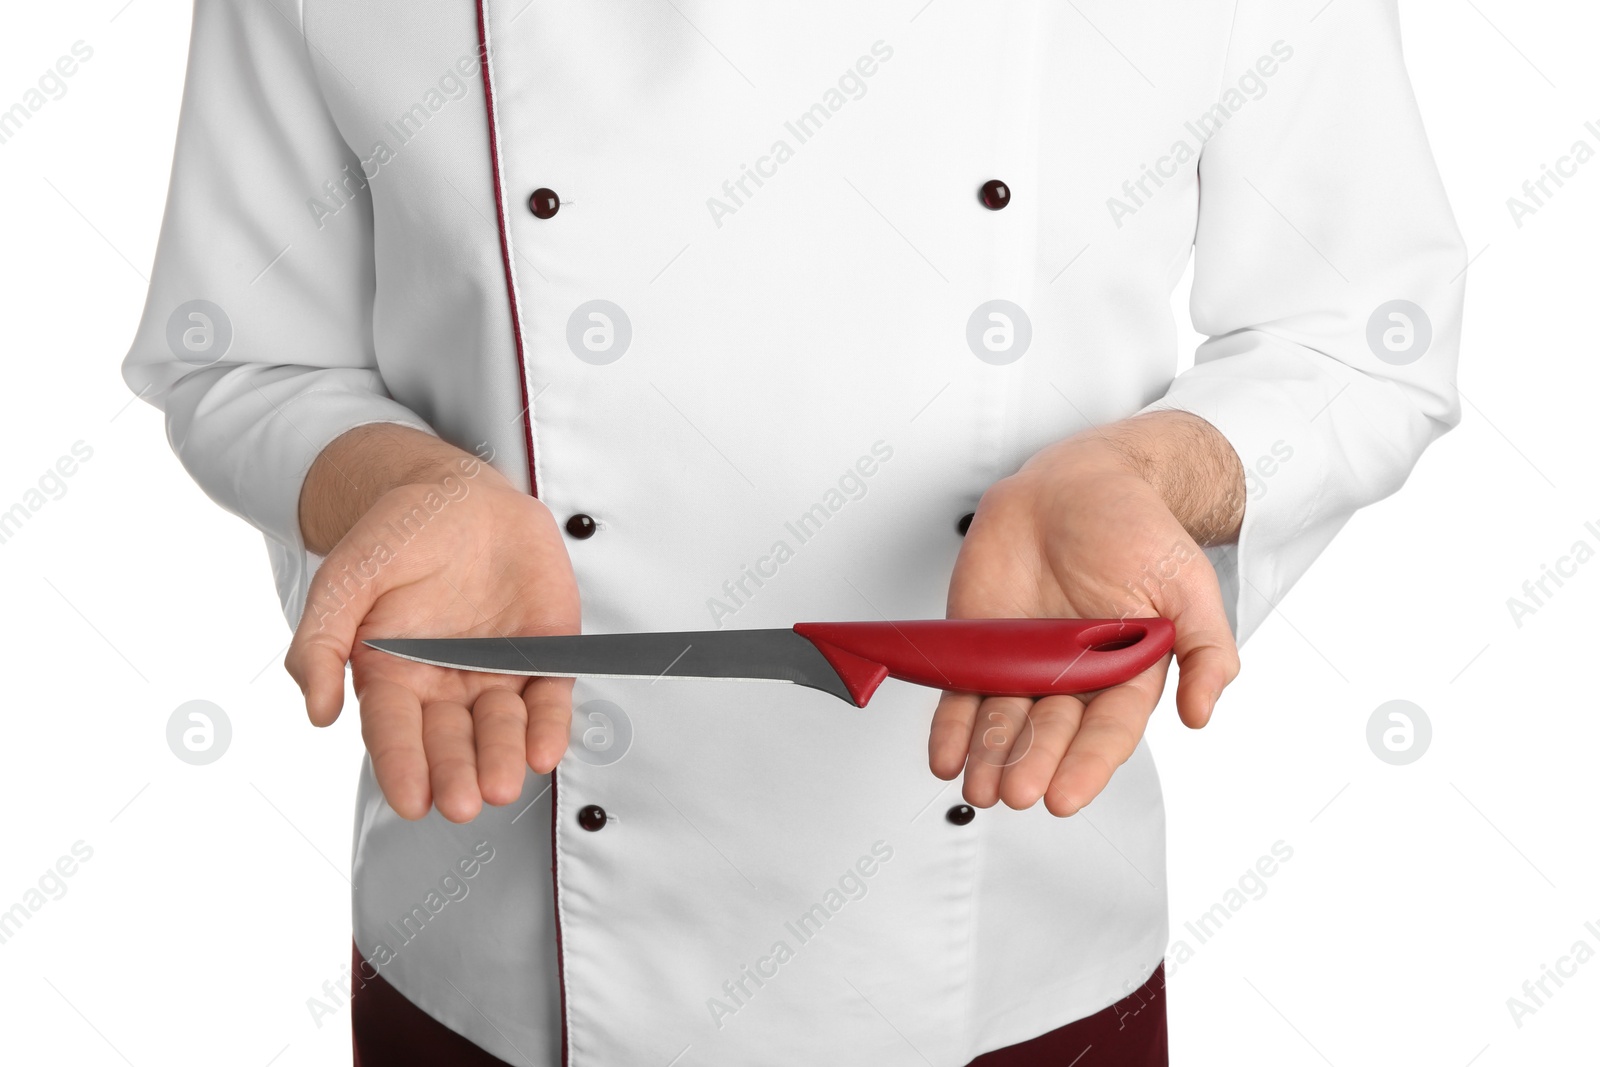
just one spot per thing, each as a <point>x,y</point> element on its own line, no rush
<point>1107,524</point>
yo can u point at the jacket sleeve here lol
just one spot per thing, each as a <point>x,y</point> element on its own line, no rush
<point>256,337</point>
<point>1328,279</point>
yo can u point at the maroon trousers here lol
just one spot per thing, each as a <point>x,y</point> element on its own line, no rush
<point>389,1031</point>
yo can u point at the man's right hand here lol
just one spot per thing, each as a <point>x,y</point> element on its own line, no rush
<point>429,541</point>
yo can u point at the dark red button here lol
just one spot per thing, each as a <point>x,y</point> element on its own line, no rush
<point>544,203</point>
<point>961,814</point>
<point>591,817</point>
<point>963,524</point>
<point>581,526</point>
<point>994,194</point>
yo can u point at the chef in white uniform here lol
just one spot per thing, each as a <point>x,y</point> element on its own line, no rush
<point>744,308</point>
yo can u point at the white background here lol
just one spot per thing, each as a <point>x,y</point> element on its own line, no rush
<point>1418,899</point>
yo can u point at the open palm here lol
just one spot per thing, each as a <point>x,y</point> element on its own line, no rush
<point>482,562</point>
<point>1068,539</point>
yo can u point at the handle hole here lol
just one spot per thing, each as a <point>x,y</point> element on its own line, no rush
<point>1112,637</point>
<point>1112,646</point>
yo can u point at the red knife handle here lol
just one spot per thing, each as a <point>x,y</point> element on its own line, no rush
<point>995,657</point>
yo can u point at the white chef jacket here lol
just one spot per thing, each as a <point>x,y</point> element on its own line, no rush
<point>758,343</point>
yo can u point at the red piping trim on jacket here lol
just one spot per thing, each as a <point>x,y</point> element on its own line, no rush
<point>555,882</point>
<point>527,430</point>
<point>505,242</point>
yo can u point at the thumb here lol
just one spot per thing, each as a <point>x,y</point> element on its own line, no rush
<point>1208,658</point>
<point>337,602</point>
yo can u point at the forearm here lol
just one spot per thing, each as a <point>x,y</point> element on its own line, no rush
<point>362,465</point>
<point>1185,459</point>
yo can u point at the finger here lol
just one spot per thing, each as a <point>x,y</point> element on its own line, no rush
<point>1208,658</point>
<point>500,727</point>
<point>1000,735</point>
<point>1112,724</point>
<point>549,703</point>
<point>452,759</point>
<point>391,727</point>
<point>321,645</point>
<point>1055,723</point>
<point>316,661</point>
<point>951,734</point>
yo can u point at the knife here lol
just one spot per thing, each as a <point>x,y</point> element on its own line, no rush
<point>848,660</point>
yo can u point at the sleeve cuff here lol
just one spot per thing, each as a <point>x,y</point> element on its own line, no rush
<point>249,434</point>
<point>1273,427</point>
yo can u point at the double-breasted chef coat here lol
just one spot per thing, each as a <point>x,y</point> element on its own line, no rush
<point>738,283</point>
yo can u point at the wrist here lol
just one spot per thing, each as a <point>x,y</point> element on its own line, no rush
<point>1185,460</point>
<point>363,465</point>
